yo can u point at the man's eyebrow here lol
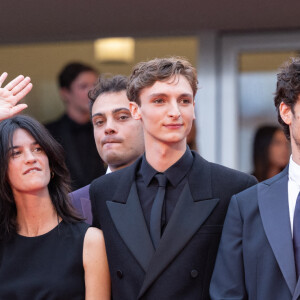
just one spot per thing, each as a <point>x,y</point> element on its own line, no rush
<point>158,94</point>
<point>166,95</point>
<point>97,114</point>
<point>114,111</point>
<point>120,109</point>
<point>186,95</point>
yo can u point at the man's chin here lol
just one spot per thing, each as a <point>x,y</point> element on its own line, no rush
<point>113,158</point>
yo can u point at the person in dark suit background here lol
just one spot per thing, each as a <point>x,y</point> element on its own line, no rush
<point>162,216</point>
<point>119,137</point>
<point>73,129</point>
<point>259,254</point>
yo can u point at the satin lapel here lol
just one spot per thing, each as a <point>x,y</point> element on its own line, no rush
<point>274,211</point>
<point>130,223</point>
<point>86,209</point>
<point>186,219</point>
<point>124,182</point>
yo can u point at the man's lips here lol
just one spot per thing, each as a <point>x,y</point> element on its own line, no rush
<point>111,141</point>
<point>173,125</point>
<point>31,169</point>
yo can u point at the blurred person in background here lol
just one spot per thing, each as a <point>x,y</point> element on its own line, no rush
<point>271,152</point>
<point>191,138</point>
<point>73,130</point>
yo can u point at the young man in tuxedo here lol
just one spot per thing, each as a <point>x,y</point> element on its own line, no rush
<point>162,216</point>
<point>259,254</point>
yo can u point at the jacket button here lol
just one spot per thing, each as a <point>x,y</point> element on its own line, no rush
<point>194,273</point>
<point>120,274</point>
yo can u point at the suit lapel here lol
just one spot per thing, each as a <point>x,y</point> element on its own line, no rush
<point>297,291</point>
<point>274,211</point>
<point>187,217</point>
<point>128,217</point>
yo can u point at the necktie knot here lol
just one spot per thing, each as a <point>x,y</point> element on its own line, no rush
<point>162,179</point>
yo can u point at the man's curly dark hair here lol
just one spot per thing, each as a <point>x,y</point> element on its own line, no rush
<point>288,89</point>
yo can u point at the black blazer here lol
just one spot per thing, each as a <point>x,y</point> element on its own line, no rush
<point>256,256</point>
<point>182,265</point>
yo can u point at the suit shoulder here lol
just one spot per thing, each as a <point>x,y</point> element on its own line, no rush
<point>110,178</point>
<point>231,175</point>
<point>82,192</point>
<point>252,191</point>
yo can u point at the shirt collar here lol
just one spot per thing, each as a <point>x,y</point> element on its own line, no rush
<point>294,171</point>
<point>174,174</point>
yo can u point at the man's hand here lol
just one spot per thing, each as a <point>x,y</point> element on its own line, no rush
<point>11,94</point>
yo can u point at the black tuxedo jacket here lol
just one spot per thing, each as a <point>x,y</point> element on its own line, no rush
<point>182,265</point>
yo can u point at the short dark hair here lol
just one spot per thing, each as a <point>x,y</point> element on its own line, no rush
<point>113,84</point>
<point>58,185</point>
<point>288,89</point>
<point>70,72</point>
<point>145,74</point>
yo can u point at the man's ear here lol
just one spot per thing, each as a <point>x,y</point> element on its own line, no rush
<point>285,113</point>
<point>194,109</point>
<point>64,94</point>
<point>135,110</point>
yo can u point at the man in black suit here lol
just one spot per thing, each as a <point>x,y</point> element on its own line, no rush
<point>162,216</point>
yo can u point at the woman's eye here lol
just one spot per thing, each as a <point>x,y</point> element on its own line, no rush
<point>15,153</point>
<point>38,149</point>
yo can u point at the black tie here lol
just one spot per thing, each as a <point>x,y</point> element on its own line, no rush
<point>156,211</point>
<point>296,235</point>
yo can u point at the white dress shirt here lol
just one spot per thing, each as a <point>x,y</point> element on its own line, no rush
<point>293,188</point>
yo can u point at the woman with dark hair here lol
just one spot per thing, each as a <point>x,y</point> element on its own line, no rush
<point>46,251</point>
<point>270,152</point>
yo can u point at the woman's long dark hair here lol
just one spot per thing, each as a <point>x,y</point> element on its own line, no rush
<point>59,185</point>
<point>262,141</point>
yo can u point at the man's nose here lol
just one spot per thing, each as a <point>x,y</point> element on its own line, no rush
<point>174,110</point>
<point>110,127</point>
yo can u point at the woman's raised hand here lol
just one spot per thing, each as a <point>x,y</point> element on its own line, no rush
<point>11,94</point>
